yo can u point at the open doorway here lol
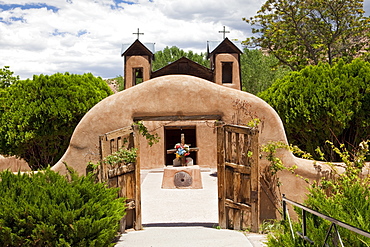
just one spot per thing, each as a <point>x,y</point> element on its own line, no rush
<point>172,136</point>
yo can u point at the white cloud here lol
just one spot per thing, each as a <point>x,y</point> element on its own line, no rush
<point>86,36</point>
<point>81,36</point>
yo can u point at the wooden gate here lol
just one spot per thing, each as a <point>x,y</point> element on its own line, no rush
<point>237,170</point>
<point>124,176</point>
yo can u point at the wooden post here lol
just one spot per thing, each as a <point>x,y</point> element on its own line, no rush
<point>138,218</point>
<point>104,152</point>
<point>254,181</point>
<point>236,194</point>
<point>221,176</point>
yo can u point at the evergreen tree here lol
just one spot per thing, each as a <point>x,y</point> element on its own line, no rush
<point>45,209</point>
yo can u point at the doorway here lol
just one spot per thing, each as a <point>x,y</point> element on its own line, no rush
<point>172,136</point>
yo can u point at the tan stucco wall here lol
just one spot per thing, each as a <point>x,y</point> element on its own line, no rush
<point>218,70</point>
<point>13,164</point>
<point>183,95</point>
<point>136,62</point>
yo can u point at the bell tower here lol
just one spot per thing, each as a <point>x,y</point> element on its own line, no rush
<point>225,62</point>
<point>137,63</point>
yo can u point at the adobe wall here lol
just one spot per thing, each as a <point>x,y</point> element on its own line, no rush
<point>184,95</point>
<point>13,164</point>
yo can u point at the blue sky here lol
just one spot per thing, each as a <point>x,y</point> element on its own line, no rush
<point>80,36</point>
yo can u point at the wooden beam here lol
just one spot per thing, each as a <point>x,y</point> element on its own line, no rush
<point>130,204</point>
<point>118,133</point>
<point>237,205</point>
<point>172,151</point>
<point>239,168</point>
<point>121,170</point>
<point>241,129</point>
<point>177,118</point>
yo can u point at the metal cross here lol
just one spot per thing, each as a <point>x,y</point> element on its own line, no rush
<point>224,31</point>
<point>138,33</point>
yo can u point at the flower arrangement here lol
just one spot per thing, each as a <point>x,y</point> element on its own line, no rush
<point>182,150</point>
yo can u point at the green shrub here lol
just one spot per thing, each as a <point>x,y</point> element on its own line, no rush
<point>45,209</point>
<point>322,103</point>
<point>343,196</point>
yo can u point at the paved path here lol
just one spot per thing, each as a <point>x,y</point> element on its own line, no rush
<point>181,217</point>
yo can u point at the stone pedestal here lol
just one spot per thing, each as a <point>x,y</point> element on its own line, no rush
<point>183,177</point>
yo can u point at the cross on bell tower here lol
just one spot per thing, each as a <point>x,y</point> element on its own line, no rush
<point>138,33</point>
<point>224,32</point>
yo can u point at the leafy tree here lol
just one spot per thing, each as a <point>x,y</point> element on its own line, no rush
<point>120,82</point>
<point>322,103</point>
<point>259,71</point>
<point>37,117</point>
<point>300,33</point>
<point>168,55</point>
<point>6,77</point>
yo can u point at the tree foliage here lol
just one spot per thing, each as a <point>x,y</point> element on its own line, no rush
<point>168,55</point>
<point>6,77</point>
<point>344,196</point>
<point>45,209</point>
<point>259,71</point>
<point>300,33</point>
<point>322,103</point>
<point>38,116</point>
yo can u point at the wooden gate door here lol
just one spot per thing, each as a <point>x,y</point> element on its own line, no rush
<point>237,172</point>
<point>125,176</point>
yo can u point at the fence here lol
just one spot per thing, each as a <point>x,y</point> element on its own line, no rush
<point>334,223</point>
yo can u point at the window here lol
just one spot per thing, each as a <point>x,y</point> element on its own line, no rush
<point>137,76</point>
<point>227,72</point>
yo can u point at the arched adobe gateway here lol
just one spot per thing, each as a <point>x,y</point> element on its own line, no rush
<point>181,96</point>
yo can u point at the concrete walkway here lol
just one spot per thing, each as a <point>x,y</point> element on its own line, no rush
<point>182,217</point>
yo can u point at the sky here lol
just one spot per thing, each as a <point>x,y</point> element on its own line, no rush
<point>82,36</point>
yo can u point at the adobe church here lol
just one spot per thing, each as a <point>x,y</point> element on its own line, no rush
<point>185,99</point>
<point>200,132</point>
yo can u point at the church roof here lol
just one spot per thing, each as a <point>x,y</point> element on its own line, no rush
<point>137,48</point>
<point>185,66</point>
<point>226,46</point>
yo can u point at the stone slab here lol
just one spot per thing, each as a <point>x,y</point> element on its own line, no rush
<point>183,177</point>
